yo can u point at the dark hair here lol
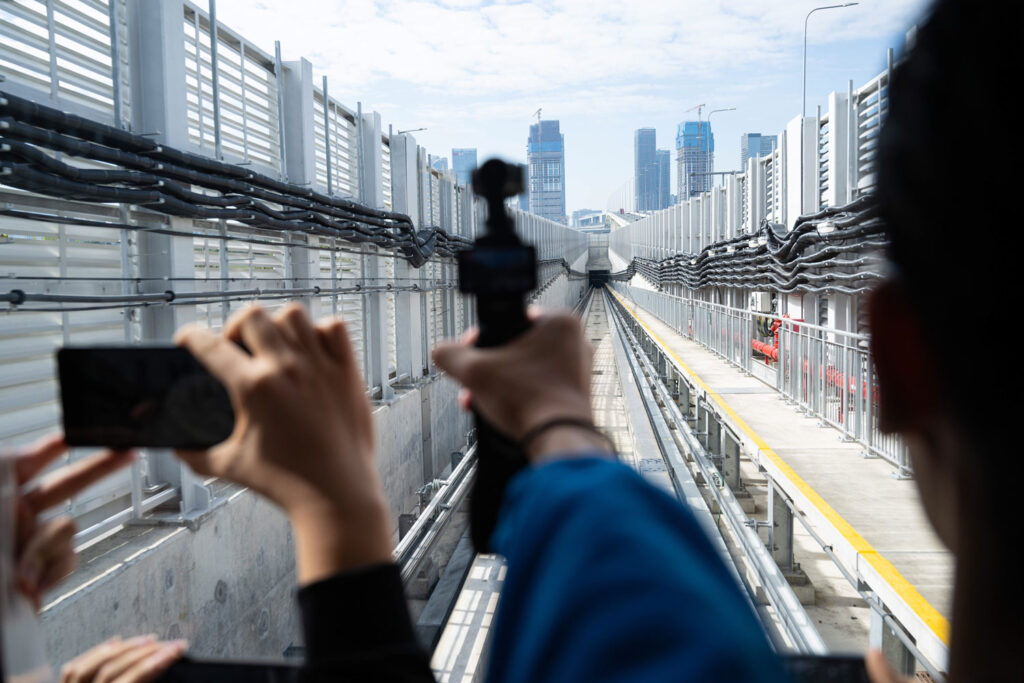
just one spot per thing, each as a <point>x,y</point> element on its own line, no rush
<point>946,188</point>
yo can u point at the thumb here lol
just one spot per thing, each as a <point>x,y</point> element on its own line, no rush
<point>457,360</point>
<point>878,668</point>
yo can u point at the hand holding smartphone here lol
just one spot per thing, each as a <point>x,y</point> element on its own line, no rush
<point>141,396</point>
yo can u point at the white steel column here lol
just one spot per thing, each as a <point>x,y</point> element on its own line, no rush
<point>166,262</point>
<point>405,198</point>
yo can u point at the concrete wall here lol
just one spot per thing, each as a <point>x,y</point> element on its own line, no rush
<point>227,582</point>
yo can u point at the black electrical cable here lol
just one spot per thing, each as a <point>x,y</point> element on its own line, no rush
<point>160,178</point>
<point>807,258</point>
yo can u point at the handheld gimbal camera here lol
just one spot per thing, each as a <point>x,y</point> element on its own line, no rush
<point>500,270</point>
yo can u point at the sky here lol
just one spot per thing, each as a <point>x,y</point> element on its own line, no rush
<point>473,72</point>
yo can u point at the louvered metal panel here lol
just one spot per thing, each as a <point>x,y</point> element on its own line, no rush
<point>386,176</point>
<point>340,268</point>
<point>823,158</point>
<point>436,187</point>
<point>872,106</point>
<point>60,258</point>
<point>63,49</point>
<point>344,155</point>
<point>389,313</point>
<point>247,94</point>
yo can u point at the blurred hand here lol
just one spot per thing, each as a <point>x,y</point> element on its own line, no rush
<point>303,432</point>
<point>44,550</point>
<point>136,660</point>
<point>879,670</point>
<point>542,375</point>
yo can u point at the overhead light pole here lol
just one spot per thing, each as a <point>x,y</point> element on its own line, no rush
<point>411,130</point>
<point>803,109</point>
<point>707,165</point>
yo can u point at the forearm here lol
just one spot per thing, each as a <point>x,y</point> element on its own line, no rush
<point>329,541</point>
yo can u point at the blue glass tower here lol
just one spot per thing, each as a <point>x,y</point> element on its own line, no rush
<point>545,152</point>
<point>695,158</point>
<point>463,164</point>
<point>753,145</point>
<point>645,170</point>
<point>664,157</point>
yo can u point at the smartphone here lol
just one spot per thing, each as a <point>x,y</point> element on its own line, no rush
<point>141,396</point>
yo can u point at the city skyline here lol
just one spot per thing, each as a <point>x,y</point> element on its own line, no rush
<point>666,59</point>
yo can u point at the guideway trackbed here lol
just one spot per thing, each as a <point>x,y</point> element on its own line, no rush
<point>873,522</point>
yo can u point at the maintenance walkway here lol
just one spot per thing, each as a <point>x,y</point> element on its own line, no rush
<point>873,522</point>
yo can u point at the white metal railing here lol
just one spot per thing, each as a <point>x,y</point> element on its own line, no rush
<point>60,53</point>
<point>826,372</point>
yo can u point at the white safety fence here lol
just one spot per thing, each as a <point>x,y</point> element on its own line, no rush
<point>227,99</point>
<point>823,371</point>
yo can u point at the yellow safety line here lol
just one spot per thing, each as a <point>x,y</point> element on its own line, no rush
<point>906,590</point>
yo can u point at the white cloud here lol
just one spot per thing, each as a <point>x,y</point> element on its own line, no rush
<point>486,49</point>
<point>473,71</point>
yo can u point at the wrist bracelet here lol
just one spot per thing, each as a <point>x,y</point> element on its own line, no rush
<point>587,425</point>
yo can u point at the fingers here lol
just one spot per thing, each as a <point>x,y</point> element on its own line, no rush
<point>136,660</point>
<point>84,667</point>
<point>155,665</point>
<point>221,358</point>
<point>879,670</point>
<point>457,360</point>
<point>199,462</point>
<point>470,336</point>
<point>335,341</point>
<point>253,327</point>
<point>465,399</point>
<point>47,557</point>
<point>38,456</point>
<point>69,481</point>
<point>140,664</point>
<point>296,327</point>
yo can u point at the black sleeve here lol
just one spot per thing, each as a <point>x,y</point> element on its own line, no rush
<point>357,628</point>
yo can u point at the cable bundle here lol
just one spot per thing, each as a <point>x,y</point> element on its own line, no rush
<point>835,250</point>
<point>163,179</point>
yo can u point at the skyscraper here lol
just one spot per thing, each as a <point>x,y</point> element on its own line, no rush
<point>695,154</point>
<point>645,170</point>
<point>753,145</point>
<point>463,164</point>
<point>664,157</point>
<point>438,163</point>
<point>545,151</point>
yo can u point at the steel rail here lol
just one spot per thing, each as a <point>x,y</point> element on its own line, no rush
<point>797,625</point>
